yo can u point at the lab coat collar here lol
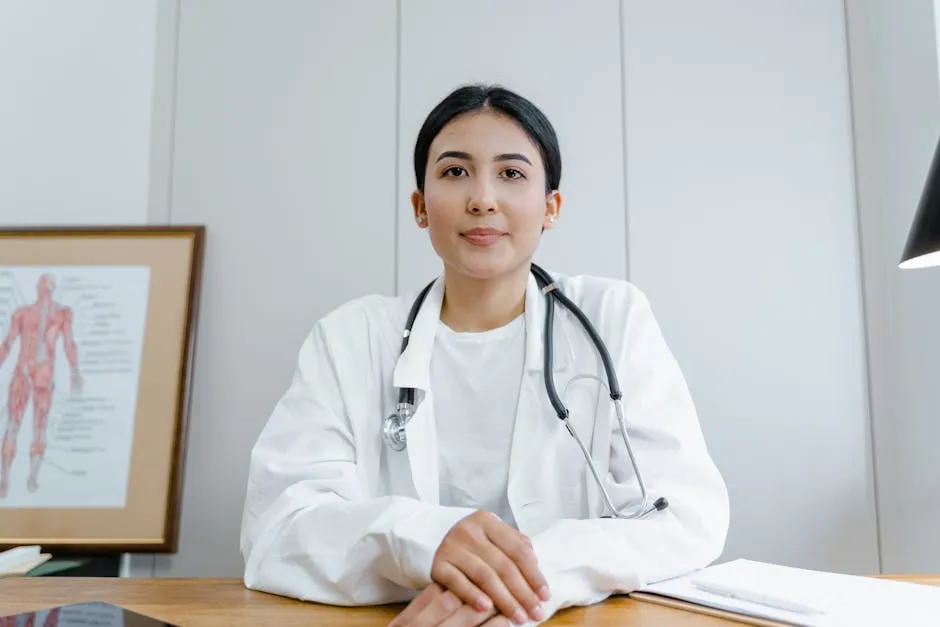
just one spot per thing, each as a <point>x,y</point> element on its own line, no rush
<point>414,365</point>
<point>413,369</point>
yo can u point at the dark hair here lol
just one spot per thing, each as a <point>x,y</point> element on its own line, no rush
<point>476,97</point>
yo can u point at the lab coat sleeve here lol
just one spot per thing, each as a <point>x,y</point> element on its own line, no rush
<point>586,561</point>
<point>310,529</point>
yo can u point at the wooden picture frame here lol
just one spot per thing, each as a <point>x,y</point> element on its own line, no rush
<point>97,336</point>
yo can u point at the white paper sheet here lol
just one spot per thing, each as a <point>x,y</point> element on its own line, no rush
<point>88,431</point>
<point>844,599</point>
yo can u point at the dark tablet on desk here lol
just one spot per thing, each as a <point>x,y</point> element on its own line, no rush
<point>92,614</point>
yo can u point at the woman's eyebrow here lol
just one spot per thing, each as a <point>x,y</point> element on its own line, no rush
<point>512,156</point>
<point>456,154</point>
<point>506,156</point>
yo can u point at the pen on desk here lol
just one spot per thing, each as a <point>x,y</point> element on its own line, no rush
<point>755,597</point>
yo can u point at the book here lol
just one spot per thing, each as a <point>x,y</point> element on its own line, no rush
<point>770,595</point>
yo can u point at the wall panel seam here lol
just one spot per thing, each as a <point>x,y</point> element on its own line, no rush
<point>623,138</point>
<point>863,291</point>
<point>396,226</point>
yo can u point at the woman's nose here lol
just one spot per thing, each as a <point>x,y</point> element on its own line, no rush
<point>482,199</point>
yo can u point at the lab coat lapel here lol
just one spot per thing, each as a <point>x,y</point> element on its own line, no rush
<point>536,423</point>
<point>414,370</point>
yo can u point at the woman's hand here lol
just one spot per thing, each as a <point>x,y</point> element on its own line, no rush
<point>484,562</point>
<point>437,607</point>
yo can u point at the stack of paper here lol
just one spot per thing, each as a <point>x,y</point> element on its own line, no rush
<point>767,594</point>
<point>19,561</point>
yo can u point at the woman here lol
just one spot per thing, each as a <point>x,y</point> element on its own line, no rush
<point>490,515</point>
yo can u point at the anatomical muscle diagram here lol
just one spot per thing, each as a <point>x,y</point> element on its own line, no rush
<point>38,326</point>
<point>70,346</point>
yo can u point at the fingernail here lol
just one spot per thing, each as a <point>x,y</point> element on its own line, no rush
<point>537,613</point>
<point>544,593</point>
<point>519,617</point>
<point>484,604</point>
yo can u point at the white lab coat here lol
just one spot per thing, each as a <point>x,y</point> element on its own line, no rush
<point>333,515</point>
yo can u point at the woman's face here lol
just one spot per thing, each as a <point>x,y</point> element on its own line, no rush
<point>484,199</point>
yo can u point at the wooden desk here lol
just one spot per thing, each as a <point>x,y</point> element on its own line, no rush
<point>225,602</point>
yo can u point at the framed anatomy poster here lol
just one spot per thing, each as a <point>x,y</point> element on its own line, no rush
<point>97,328</point>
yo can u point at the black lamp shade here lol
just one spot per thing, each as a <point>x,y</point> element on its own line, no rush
<point>923,242</point>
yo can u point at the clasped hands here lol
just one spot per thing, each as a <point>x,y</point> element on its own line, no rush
<point>484,573</point>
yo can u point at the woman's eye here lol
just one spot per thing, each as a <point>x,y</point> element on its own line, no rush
<point>513,174</point>
<point>454,170</point>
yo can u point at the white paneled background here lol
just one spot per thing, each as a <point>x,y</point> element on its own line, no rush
<point>285,149</point>
<point>897,122</point>
<point>721,155</point>
<point>76,92</point>
<point>741,206</point>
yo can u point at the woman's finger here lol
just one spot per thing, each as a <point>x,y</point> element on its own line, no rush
<point>519,549</point>
<point>524,597</point>
<point>451,578</point>
<point>486,577</point>
<point>468,617</point>
<point>497,560</point>
<point>435,612</point>
<point>416,605</point>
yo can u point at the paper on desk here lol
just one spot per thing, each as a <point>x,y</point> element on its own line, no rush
<point>844,599</point>
<point>17,555</point>
<point>19,561</point>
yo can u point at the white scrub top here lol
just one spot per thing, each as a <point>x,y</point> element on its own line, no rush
<point>477,379</point>
<point>333,515</point>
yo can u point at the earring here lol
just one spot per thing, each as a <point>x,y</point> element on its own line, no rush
<point>551,219</point>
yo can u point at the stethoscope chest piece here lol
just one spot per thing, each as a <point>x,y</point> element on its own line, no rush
<point>393,429</point>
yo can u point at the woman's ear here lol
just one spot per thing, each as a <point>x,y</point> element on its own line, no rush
<point>417,204</point>
<point>552,210</point>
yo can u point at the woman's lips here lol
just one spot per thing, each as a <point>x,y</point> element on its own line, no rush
<point>483,237</point>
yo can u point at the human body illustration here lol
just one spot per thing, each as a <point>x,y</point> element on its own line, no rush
<point>38,327</point>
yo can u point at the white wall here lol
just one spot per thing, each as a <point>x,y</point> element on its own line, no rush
<point>742,229</point>
<point>897,123</point>
<point>76,111</point>
<point>710,156</point>
<point>285,149</point>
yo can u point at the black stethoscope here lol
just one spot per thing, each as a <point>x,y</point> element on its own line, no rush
<point>393,428</point>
